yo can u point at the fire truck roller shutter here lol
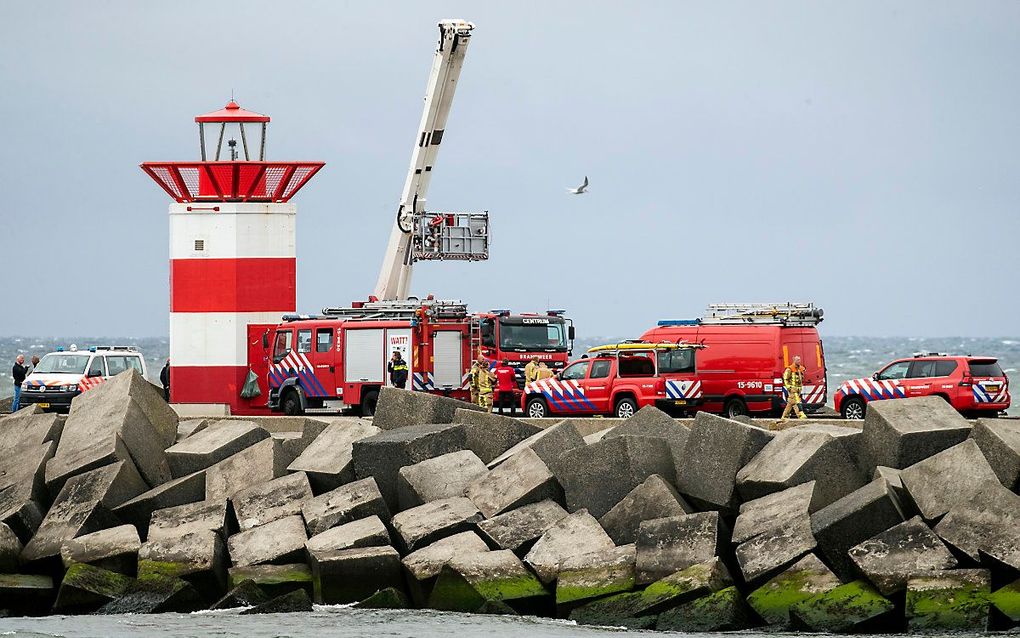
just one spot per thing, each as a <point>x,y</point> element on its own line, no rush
<point>364,356</point>
<point>448,367</point>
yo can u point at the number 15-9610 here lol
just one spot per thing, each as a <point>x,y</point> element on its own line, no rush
<point>750,385</point>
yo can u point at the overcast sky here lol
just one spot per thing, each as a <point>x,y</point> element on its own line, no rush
<point>863,155</point>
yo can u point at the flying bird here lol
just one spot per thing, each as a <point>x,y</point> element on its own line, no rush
<point>580,190</point>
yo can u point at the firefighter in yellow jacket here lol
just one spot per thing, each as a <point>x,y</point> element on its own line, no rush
<point>481,378</point>
<point>793,380</point>
<point>531,371</point>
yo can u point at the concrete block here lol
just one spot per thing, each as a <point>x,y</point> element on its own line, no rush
<point>654,498</point>
<point>892,476</point>
<point>26,465</point>
<point>274,580</point>
<point>365,532</point>
<point>279,542</point>
<point>488,435</point>
<point>628,460</point>
<point>427,562</point>
<point>289,603</point>
<point>803,580</point>
<point>854,519</point>
<point>724,610</point>
<point>192,517</point>
<point>381,456</point>
<point>311,428</point>
<point>180,491</point>
<point>186,428</point>
<point>199,557</point>
<point>328,459</point>
<point>87,587</point>
<point>595,575</point>
<point>83,506</point>
<point>948,601</point>
<point>1006,600</point>
<point>19,512</point>
<point>597,436</point>
<point>10,549</point>
<point>900,433</point>
<point>772,512</point>
<point>520,480</point>
<point>517,528</point>
<point>549,444</point>
<point>257,464</point>
<point>344,504</point>
<point>889,558</point>
<point>350,575</point>
<point>798,456</point>
<point>155,594</point>
<point>26,594</point>
<point>466,583</point>
<point>985,526</point>
<point>388,598</point>
<point>29,429</point>
<point>651,421</point>
<point>999,440</point>
<point>716,450</point>
<point>842,609</point>
<point>944,480</point>
<point>245,594</point>
<point>425,524</point>
<point>114,549</point>
<point>160,417</point>
<point>771,551</point>
<point>261,504</point>
<point>573,535</point>
<point>402,408</point>
<point>445,476</point>
<point>221,440</point>
<point>669,545</point>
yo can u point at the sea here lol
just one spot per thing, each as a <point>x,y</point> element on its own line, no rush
<point>846,357</point>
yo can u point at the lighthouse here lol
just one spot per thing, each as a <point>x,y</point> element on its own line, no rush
<point>232,259</point>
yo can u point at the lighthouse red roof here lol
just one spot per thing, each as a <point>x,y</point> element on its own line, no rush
<point>232,112</point>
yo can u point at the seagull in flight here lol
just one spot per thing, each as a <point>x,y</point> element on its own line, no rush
<point>580,190</point>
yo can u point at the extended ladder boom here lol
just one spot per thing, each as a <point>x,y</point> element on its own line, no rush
<point>395,275</point>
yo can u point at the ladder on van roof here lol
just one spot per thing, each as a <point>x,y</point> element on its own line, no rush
<point>781,314</point>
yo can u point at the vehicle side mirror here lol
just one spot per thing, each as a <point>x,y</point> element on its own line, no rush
<point>874,376</point>
<point>570,332</point>
<point>94,373</point>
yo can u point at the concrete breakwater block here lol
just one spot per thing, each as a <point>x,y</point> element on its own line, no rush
<point>398,408</point>
<point>19,511</point>
<point>900,433</point>
<point>773,512</point>
<point>955,600</point>
<point>852,520</point>
<point>651,421</point>
<point>1006,600</point>
<point>425,524</point>
<point>517,528</point>
<point>668,545</point>
<point>187,427</point>
<point>343,505</point>
<point>889,558</point>
<point>218,441</point>
<point>999,440</point>
<point>389,598</point>
<point>426,563</point>
<point>849,607</point>
<point>160,417</point>
<point>654,498</point>
<point>155,594</point>
<point>199,557</point>
<point>26,594</point>
<point>488,435</point>
<point>629,460</point>
<point>25,465</point>
<point>549,444</point>
<point>467,582</point>
<point>261,504</point>
<point>328,459</point>
<point>724,610</point>
<point>520,480</point>
<point>767,553</point>
<point>715,451</point>
<point>943,480</point>
<point>444,476</point>
<point>29,428</point>
<point>573,535</point>
<point>595,575</point>
<point>244,594</point>
<point>180,491</point>
<point>87,587</point>
<point>987,524</point>
<point>192,517</point>
<point>289,603</point>
<point>281,541</point>
<point>114,549</point>
<point>381,456</point>
<point>807,578</point>
<point>10,549</point>
<point>366,532</point>
<point>260,463</point>
<point>274,580</point>
<point>350,575</point>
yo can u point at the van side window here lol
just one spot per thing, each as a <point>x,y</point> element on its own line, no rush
<point>283,345</point>
<point>323,339</point>
<point>922,369</point>
<point>96,368</point>
<point>136,363</point>
<point>638,365</point>
<point>676,361</point>
<point>116,364</point>
<point>304,340</point>
<point>944,368</point>
<point>600,369</point>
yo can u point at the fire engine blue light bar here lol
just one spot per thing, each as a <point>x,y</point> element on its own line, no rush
<point>679,322</point>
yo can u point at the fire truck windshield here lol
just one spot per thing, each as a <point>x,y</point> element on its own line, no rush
<point>532,334</point>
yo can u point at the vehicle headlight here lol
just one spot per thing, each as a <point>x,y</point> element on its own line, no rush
<point>69,388</point>
<point>24,386</point>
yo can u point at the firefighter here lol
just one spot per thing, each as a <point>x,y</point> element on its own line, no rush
<point>397,368</point>
<point>531,371</point>
<point>474,382</point>
<point>506,384</point>
<point>793,380</point>
<point>485,379</point>
<point>544,372</point>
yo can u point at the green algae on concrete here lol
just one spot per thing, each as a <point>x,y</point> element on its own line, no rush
<point>26,594</point>
<point>86,586</point>
<point>170,569</point>
<point>808,577</point>
<point>596,575</point>
<point>955,600</point>
<point>454,591</point>
<point>1007,600</point>
<point>154,593</point>
<point>274,580</point>
<point>842,608</point>
<point>725,610</point>
<point>388,598</point>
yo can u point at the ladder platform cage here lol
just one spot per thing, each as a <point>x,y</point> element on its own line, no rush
<point>450,236</point>
<point>785,313</point>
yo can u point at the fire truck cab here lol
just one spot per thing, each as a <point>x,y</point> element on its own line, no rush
<point>499,335</point>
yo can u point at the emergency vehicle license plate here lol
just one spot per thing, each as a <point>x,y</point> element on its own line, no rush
<point>43,405</point>
<point>680,402</point>
<point>992,387</point>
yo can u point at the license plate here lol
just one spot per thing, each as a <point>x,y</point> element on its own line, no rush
<point>992,387</point>
<point>680,402</point>
<point>43,405</point>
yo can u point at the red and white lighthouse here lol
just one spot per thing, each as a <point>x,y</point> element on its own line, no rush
<point>232,258</point>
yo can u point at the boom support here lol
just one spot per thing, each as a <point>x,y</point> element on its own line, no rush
<point>395,274</point>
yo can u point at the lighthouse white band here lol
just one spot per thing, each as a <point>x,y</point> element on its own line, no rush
<point>213,338</point>
<point>221,230</point>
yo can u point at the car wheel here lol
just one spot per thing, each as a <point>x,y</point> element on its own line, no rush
<point>853,409</point>
<point>536,408</point>
<point>369,402</point>
<point>735,407</point>
<point>291,404</point>
<point>625,408</point>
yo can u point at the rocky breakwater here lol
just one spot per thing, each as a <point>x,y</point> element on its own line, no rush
<point>911,522</point>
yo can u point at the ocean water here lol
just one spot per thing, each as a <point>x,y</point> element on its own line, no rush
<point>846,357</point>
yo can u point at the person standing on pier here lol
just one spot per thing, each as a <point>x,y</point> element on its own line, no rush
<point>793,380</point>
<point>531,371</point>
<point>397,368</point>
<point>506,384</point>
<point>19,372</point>
<point>164,379</point>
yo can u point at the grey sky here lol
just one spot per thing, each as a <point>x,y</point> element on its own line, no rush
<point>859,154</point>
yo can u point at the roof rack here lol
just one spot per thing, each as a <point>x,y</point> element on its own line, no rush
<point>105,348</point>
<point>404,309</point>
<point>930,354</point>
<point>645,345</point>
<point>784,314</point>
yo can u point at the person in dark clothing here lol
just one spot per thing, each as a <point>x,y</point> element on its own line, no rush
<point>19,372</point>
<point>397,368</point>
<point>164,378</point>
<point>506,384</point>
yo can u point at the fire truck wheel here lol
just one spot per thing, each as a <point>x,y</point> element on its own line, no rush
<point>368,403</point>
<point>291,403</point>
<point>625,408</point>
<point>853,408</point>
<point>536,408</point>
<point>735,407</point>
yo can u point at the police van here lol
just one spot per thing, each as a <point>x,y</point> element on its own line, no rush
<point>62,375</point>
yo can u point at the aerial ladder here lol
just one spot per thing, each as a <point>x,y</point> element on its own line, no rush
<point>417,234</point>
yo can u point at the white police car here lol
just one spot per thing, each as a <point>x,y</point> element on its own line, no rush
<point>60,376</point>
